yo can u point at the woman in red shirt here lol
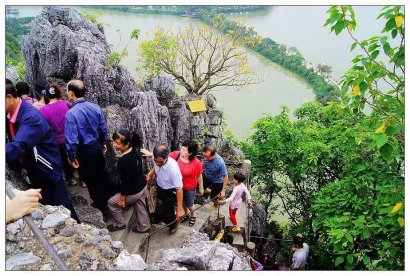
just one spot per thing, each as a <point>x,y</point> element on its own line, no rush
<point>191,170</point>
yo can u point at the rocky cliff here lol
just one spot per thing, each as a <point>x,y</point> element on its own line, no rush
<point>63,45</point>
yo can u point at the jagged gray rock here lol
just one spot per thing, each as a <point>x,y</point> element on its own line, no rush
<point>21,259</point>
<point>126,261</point>
<point>164,87</point>
<point>258,220</point>
<point>12,74</point>
<point>53,220</point>
<point>199,253</point>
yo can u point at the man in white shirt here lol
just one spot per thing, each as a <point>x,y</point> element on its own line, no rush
<point>300,252</point>
<point>169,189</point>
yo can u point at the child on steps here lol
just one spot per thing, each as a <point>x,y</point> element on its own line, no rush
<point>236,198</point>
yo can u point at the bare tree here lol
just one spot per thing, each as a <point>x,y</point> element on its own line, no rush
<point>200,58</point>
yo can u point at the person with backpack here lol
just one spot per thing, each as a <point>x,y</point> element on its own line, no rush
<point>23,91</point>
<point>54,113</point>
<point>132,188</point>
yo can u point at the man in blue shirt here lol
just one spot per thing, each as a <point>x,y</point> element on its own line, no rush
<point>86,134</point>
<point>31,145</point>
<point>215,174</point>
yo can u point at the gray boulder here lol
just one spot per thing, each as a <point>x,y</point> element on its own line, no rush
<point>126,261</point>
<point>53,220</point>
<point>258,220</point>
<point>21,259</point>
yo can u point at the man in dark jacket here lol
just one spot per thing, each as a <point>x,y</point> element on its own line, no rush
<point>31,144</point>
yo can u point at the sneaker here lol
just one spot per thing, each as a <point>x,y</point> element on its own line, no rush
<point>174,227</point>
<point>236,229</point>
<point>213,208</point>
<point>134,229</point>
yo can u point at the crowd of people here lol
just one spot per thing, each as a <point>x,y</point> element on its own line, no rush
<point>51,138</point>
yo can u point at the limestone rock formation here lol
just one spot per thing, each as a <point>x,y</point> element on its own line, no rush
<point>63,45</point>
<point>258,220</point>
<point>199,253</point>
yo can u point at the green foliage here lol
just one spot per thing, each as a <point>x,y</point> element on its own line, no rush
<point>373,83</point>
<point>339,171</point>
<point>94,16</point>
<point>15,29</point>
<point>115,57</point>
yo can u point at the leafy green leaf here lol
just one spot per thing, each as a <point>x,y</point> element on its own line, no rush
<point>386,150</point>
<point>350,259</point>
<point>366,234</point>
<point>381,139</point>
<point>353,46</point>
<point>366,260</point>
<point>394,33</point>
<point>339,27</point>
<point>339,260</point>
<point>375,54</point>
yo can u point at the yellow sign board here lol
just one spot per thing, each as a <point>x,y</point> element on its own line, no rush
<point>196,106</point>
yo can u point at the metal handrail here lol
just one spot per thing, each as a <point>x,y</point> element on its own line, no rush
<point>41,238</point>
<point>270,239</point>
<point>167,225</point>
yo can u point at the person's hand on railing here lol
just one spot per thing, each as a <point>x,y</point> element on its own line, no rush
<point>180,214</point>
<point>22,204</point>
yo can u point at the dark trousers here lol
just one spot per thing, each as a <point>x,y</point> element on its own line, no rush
<point>92,171</point>
<point>56,194</point>
<point>68,170</point>
<point>166,201</point>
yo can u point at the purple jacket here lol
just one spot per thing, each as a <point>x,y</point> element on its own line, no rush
<point>54,113</point>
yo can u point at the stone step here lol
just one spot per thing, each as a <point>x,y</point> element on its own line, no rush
<point>136,242</point>
<point>164,240</point>
<point>128,213</point>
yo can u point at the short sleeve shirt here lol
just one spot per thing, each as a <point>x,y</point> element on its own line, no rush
<point>169,176</point>
<point>300,257</point>
<point>215,170</point>
<point>190,171</point>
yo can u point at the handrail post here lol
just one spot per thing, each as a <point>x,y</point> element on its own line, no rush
<point>246,170</point>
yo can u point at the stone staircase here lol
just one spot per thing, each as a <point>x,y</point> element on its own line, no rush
<point>241,216</point>
<point>137,242</point>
